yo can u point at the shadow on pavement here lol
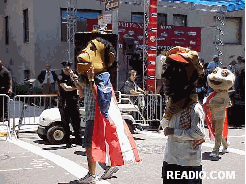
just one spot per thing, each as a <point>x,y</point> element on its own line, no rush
<point>137,138</point>
<point>55,148</point>
<point>236,127</point>
<point>82,153</point>
<point>205,156</point>
<point>42,142</point>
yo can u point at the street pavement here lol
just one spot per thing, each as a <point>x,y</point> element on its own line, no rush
<point>31,160</point>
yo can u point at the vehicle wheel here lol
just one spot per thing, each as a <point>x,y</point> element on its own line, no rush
<point>44,137</point>
<point>130,126</point>
<point>56,135</point>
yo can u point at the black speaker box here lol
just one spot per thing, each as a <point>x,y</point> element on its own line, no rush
<point>128,46</point>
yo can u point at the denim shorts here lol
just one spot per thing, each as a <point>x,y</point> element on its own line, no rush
<point>88,134</point>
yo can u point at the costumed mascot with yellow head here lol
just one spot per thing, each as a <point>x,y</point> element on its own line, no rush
<point>110,142</point>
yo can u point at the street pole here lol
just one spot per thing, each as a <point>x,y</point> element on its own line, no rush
<point>115,14</point>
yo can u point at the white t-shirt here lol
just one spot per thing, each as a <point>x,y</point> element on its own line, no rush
<point>179,149</point>
<point>160,60</point>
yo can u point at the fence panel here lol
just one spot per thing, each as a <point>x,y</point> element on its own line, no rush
<point>27,109</point>
<point>148,107</point>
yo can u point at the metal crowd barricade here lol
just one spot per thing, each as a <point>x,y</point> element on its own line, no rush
<point>154,107</point>
<point>148,107</point>
<point>4,116</point>
<point>27,109</point>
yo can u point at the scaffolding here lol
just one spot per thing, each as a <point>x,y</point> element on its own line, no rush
<point>145,38</point>
<point>71,28</point>
<point>219,33</point>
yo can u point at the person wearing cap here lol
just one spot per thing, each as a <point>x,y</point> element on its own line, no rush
<point>183,120</point>
<point>68,104</point>
<point>211,66</point>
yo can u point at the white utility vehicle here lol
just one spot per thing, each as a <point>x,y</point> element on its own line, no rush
<point>51,128</point>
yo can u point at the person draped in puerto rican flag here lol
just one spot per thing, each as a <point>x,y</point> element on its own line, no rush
<point>107,138</point>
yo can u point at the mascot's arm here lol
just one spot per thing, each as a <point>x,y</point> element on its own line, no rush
<point>221,101</point>
<point>196,131</point>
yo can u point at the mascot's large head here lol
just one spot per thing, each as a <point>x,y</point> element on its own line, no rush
<point>182,70</point>
<point>221,79</point>
<point>98,53</point>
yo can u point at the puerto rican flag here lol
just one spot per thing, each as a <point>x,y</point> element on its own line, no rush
<point>209,119</point>
<point>112,142</point>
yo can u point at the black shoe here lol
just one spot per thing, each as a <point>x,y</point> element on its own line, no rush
<point>69,145</point>
<point>78,142</point>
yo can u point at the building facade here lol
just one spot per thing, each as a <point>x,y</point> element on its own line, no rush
<point>33,32</point>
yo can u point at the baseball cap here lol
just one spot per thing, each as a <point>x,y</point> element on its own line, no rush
<point>239,57</point>
<point>185,55</point>
<point>215,56</point>
<point>178,57</point>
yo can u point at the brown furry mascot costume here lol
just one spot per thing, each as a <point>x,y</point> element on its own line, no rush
<point>183,121</point>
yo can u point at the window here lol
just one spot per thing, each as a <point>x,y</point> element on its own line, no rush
<point>82,16</point>
<point>162,19</point>
<point>229,32</point>
<point>137,17</point>
<point>179,20</point>
<point>232,32</point>
<point>6,30</point>
<point>26,25</point>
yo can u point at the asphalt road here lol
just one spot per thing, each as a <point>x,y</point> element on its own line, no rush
<point>31,160</point>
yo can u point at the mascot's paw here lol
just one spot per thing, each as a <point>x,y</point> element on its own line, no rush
<point>225,150</point>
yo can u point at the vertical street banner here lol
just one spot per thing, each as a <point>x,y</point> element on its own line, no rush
<point>151,46</point>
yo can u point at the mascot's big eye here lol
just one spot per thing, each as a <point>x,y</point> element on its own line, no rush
<point>92,48</point>
<point>224,73</point>
<point>215,71</point>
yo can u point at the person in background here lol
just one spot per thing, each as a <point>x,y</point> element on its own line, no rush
<point>241,77</point>
<point>5,88</point>
<point>130,87</point>
<point>211,66</point>
<point>47,79</point>
<point>201,88</point>
<point>160,60</point>
<point>68,104</point>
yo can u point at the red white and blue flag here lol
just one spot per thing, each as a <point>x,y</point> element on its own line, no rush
<point>209,119</point>
<point>112,141</point>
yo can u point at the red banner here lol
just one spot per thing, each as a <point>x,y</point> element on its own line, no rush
<point>151,46</point>
<point>159,37</point>
<point>167,36</point>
